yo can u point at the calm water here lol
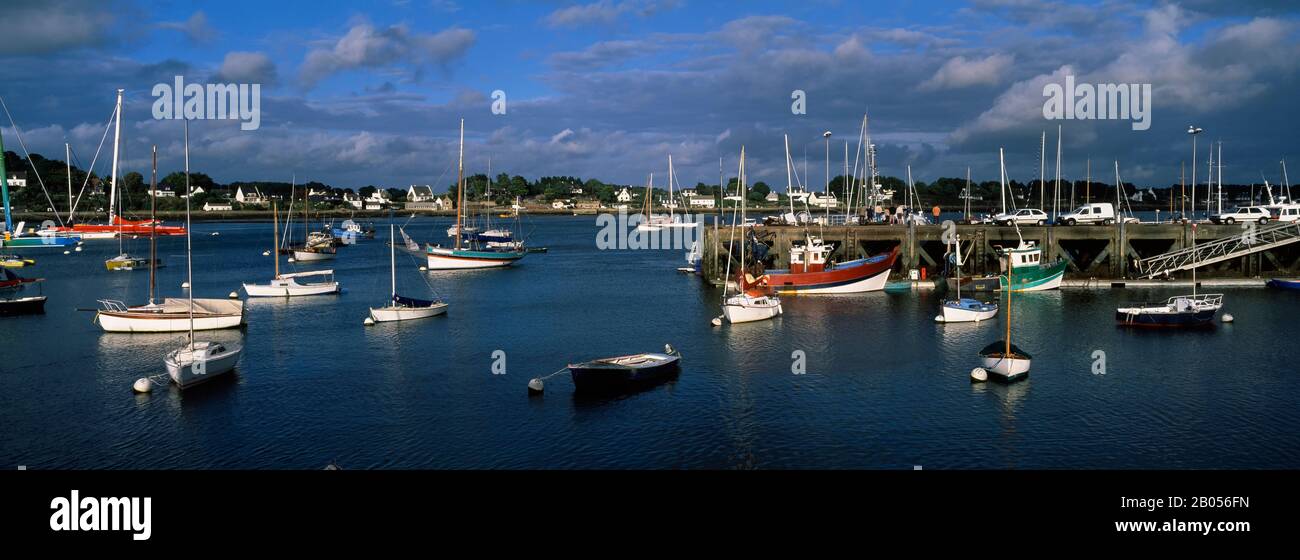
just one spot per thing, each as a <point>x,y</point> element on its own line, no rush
<point>885,386</point>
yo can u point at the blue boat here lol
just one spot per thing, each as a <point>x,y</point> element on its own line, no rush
<point>1283,284</point>
<point>626,372</point>
<point>1177,312</point>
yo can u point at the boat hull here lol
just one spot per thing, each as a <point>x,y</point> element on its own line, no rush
<point>310,256</point>
<point>145,322</point>
<point>452,259</point>
<point>392,314</point>
<point>967,311</point>
<point>1182,319</point>
<point>47,242</point>
<point>1038,279</point>
<point>186,370</point>
<point>34,305</point>
<point>1282,284</point>
<point>598,377</point>
<point>863,275</point>
<point>1006,369</point>
<point>289,288</point>
<point>747,309</point>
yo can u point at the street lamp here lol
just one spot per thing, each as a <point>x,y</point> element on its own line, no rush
<point>1194,131</point>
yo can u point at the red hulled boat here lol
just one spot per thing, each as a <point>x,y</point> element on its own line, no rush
<point>809,272</point>
<point>119,225</point>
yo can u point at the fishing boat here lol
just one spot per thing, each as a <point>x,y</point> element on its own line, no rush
<point>751,303</point>
<point>15,261</point>
<point>466,255</point>
<point>290,285</point>
<point>960,309</point>
<point>1284,284</point>
<point>197,361</point>
<point>316,246</point>
<point>1032,274</point>
<point>1002,359</point>
<point>1186,311</point>
<point>117,225</point>
<point>401,308</point>
<point>622,373</point>
<point>810,272</point>
<point>173,314</point>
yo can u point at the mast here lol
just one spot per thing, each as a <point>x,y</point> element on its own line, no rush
<point>670,188</point>
<point>153,224</point>
<point>1002,177</point>
<point>460,184</point>
<point>392,256</point>
<point>740,186</point>
<point>1182,189</point>
<point>189,249</point>
<point>967,199</point>
<point>789,182</point>
<point>117,137</point>
<point>1006,355</point>
<point>1220,176</point>
<point>275,236</point>
<point>1042,171</point>
<point>4,187</point>
<point>1056,193</point>
<point>1286,183</point>
<point>67,157</point>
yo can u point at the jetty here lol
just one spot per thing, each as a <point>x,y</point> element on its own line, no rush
<point>1095,254</point>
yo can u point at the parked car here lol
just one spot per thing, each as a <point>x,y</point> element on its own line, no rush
<point>1024,216</point>
<point>1243,214</point>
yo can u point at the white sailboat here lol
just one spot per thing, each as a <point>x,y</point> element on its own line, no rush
<point>673,221</point>
<point>310,283</point>
<point>649,221</point>
<point>196,362</point>
<point>402,308</point>
<point>1004,360</point>
<point>747,305</point>
<point>467,258</point>
<point>964,310</point>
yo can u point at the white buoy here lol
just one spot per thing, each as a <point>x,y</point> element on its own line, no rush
<point>979,375</point>
<point>1227,317</point>
<point>185,285</point>
<point>142,385</point>
<point>717,322</point>
<point>216,233</point>
<point>67,252</point>
<point>234,295</point>
<point>938,318</point>
<point>424,268</point>
<point>535,386</point>
<point>266,253</point>
<point>78,249</point>
<point>369,321</point>
<point>291,259</point>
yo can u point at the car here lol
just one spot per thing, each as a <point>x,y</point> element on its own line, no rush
<point>1023,216</point>
<point>1243,214</point>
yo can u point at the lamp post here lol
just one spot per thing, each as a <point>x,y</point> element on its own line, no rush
<point>1192,130</point>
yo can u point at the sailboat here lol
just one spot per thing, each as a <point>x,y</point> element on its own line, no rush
<point>1032,274</point>
<point>196,362</point>
<point>471,257</point>
<point>173,314</point>
<point>752,303</point>
<point>401,308</point>
<point>15,238</point>
<point>673,221</point>
<point>964,310</point>
<point>124,261</point>
<point>116,224</point>
<point>1004,360</point>
<point>1178,311</point>
<point>649,221</point>
<point>315,247</point>
<point>295,284</point>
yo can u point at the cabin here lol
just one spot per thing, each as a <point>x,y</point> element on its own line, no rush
<point>224,206</point>
<point>420,193</point>
<point>443,203</point>
<point>249,195</point>
<point>194,190</point>
<point>623,195</point>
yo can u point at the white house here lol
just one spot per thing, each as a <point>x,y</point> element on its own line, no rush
<point>623,195</point>
<point>419,193</point>
<point>561,204</point>
<point>193,190</point>
<point>252,195</point>
<point>165,192</point>
<point>702,202</point>
<point>772,197</point>
<point>17,178</point>
<point>217,207</point>
<point>443,203</point>
<point>377,200</point>
<point>353,200</point>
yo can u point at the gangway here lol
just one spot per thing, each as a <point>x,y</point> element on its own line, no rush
<point>1253,240</point>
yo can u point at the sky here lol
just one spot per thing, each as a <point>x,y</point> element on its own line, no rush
<point>362,93</point>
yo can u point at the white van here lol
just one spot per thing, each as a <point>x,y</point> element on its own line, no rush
<point>1288,213</point>
<point>1094,213</point>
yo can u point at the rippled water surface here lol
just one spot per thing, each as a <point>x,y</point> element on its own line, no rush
<point>885,387</point>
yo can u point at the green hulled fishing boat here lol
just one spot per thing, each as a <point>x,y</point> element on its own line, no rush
<point>1032,274</point>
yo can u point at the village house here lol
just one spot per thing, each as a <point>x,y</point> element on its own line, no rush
<point>702,202</point>
<point>772,197</point>
<point>419,193</point>
<point>623,195</point>
<point>16,179</point>
<point>353,199</point>
<point>249,195</point>
<point>223,206</point>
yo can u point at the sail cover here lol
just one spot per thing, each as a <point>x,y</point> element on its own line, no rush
<point>208,306</point>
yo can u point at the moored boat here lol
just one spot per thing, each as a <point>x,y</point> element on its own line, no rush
<point>195,363</point>
<point>960,309</point>
<point>15,261</point>
<point>172,315</point>
<point>401,308</point>
<point>1178,311</point>
<point>1031,273</point>
<point>621,373</point>
<point>289,285</point>
<point>1005,361</point>
<point>809,272</point>
<point>30,305</point>
<point>465,254</point>
<point>1284,284</point>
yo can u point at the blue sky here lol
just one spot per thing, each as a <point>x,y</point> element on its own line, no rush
<point>370,93</point>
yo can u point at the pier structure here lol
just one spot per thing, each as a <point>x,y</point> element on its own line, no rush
<point>1104,253</point>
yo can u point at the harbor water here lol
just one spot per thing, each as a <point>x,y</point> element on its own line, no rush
<point>857,381</point>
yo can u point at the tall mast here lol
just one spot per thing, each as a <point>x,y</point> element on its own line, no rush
<point>189,249</point>
<point>4,187</point>
<point>117,137</point>
<point>789,182</point>
<point>1220,176</point>
<point>153,224</point>
<point>67,157</point>
<point>967,198</point>
<point>1042,171</point>
<point>670,188</point>
<point>740,185</point>
<point>460,184</point>
<point>1002,178</point>
<point>275,236</point>
<point>1006,355</point>
<point>1286,183</point>
<point>392,255</point>
<point>1056,194</point>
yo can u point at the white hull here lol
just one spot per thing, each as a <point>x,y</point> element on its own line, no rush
<point>308,256</point>
<point>1008,369</point>
<point>439,262</point>
<point>868,284</point>
<point>187,369</point>
<point>289,288</point>
<point>392,314</point>
<point>1052,284</point>
<point>954,315</point>
<point>142,323</point>
<point>746,309</point>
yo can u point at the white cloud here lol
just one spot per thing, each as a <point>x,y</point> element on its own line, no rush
<point>961,72</point>
<point>367,46</point>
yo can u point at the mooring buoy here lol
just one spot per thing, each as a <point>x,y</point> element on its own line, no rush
<point>185,285</point>
<point>717,322</point>
<point>234,295</point>
<point>266,253</point>
<point>142,385</point>
<point>67,252</point>
<point>938,318</point>
<point>78,249</point>
<point>979,375</point>
<point>535,386</point>
<point>369,321</point>
<point>1227,317</point>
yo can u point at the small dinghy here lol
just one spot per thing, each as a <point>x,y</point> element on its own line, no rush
<point>1004,365</point>
<point>15,261</point>
<point>626,372</point>
<point>966,310</point>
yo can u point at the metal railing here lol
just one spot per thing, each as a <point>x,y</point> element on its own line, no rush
<point>1249,241</point>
